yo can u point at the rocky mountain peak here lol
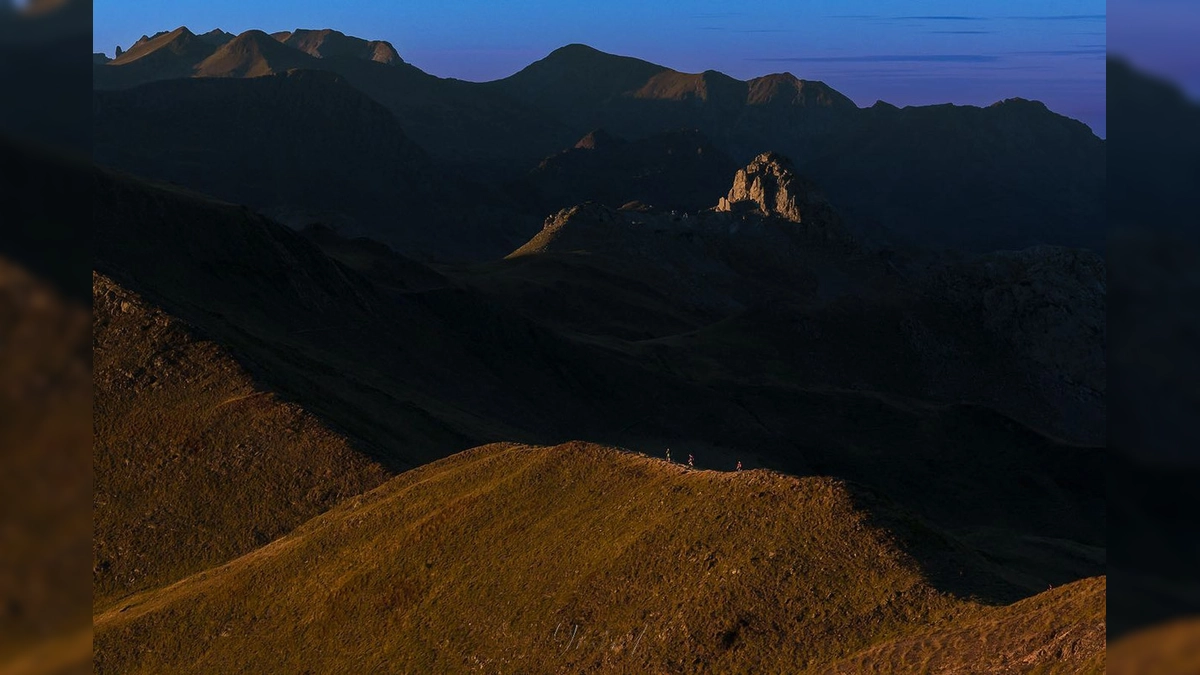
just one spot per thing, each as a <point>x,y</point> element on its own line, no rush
<point>216,37</point>
<point>767,185</point>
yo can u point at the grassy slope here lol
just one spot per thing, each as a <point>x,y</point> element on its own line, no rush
<point>194,462</point>
<point>1061,630</point>
<point>512,558</point>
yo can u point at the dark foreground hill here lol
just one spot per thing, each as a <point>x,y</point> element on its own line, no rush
<point>769,285</point>
<point>512,558</point>
<point>305,147</point>
<point>299,139</point>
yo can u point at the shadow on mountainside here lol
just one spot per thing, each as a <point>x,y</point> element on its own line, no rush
<point>416,374</point>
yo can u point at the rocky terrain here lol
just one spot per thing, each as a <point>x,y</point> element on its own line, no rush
<point>770,187</point>
<point>267,142</point>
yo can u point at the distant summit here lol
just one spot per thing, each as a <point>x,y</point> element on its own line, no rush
<point>165,55</point>
<point>578,76</point>
<point>181,53</point>
<point>251,54</point>
<point>329,43</point>
<point>785,89</point>
<point>216,37</point>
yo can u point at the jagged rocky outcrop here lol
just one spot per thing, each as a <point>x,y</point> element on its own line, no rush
<point>768,205</point>
<point>767,185</point>
<point>770,187</point>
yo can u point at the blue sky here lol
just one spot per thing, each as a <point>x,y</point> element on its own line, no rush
<point>1160,36</point>
<point>906,52</point>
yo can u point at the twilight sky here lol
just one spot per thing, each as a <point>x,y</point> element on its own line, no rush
<point>906,52</point>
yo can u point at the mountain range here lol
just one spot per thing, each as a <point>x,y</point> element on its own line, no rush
<point>1006,176</point>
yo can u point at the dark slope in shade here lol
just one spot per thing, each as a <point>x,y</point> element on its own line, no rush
<point>679,170</point>
<point>306,147</point>
<point>412,374</point>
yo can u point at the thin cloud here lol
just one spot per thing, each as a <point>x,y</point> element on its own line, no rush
<point>1062,17</point>
<point>1065,52</point>
<point>744,30</point>
<point>888,58</point>
<point>940,18</point>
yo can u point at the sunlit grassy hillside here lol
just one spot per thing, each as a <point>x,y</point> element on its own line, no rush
<point>580,558</point>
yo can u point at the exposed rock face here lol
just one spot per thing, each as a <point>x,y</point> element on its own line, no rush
<point>768,186</point>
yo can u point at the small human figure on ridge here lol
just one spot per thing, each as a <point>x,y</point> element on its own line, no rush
<point>691,461</point>
<point>668,454</point>
<point>739,466</point>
